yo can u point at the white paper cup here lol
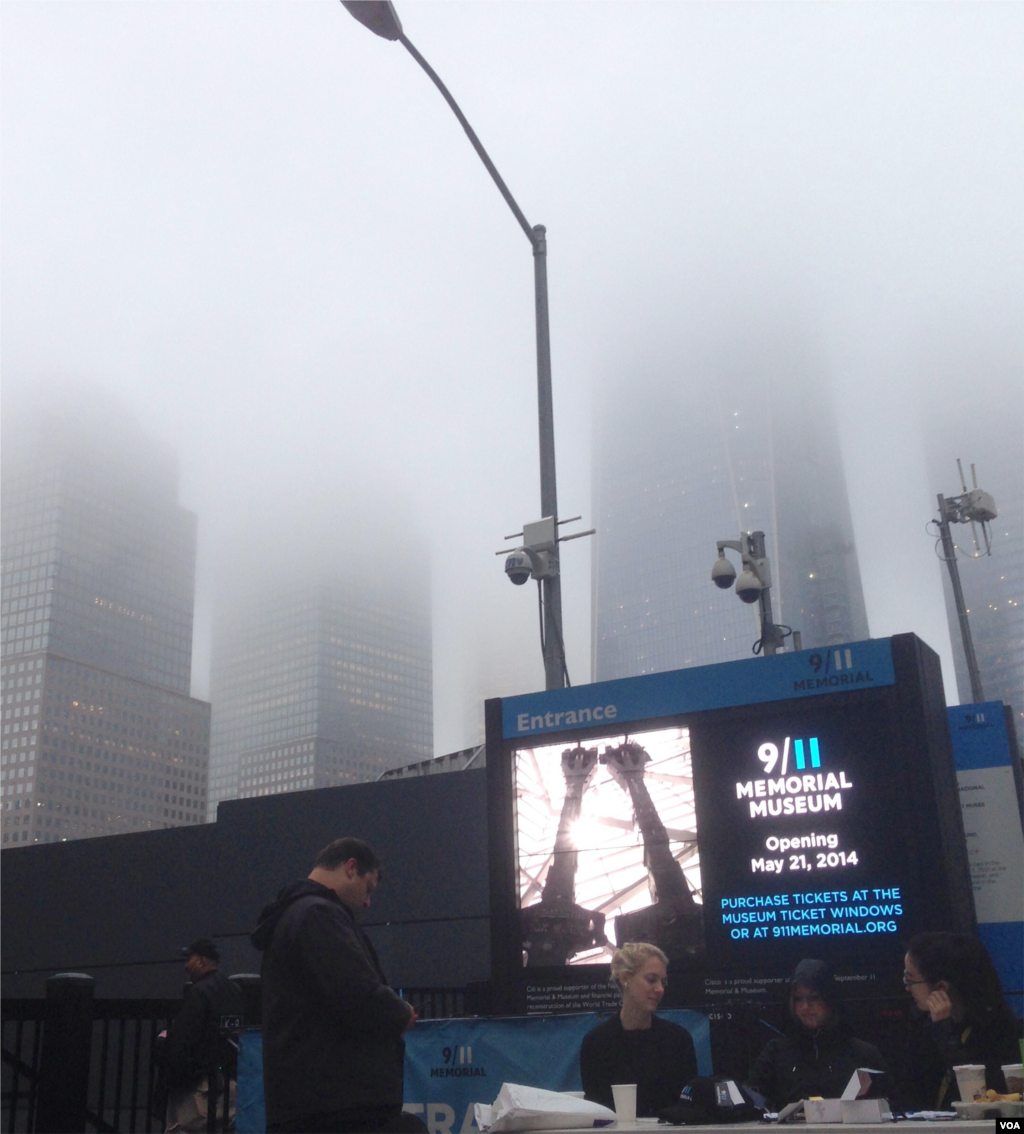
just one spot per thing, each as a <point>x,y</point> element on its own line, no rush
<point>1014,1075</point>
<point>624,1095</point>
<point>970,1078</point>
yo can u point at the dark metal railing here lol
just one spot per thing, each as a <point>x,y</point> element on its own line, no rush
<point>22,1032</point>
<point>436,1003</point>
<point>121,1071</point>
<point>123,1078</point>
<point>116,1047</point>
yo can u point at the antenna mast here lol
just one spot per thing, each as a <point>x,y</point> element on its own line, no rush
<point>972,506</point>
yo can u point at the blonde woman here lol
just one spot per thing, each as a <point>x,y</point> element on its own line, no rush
<point>635,1046</point>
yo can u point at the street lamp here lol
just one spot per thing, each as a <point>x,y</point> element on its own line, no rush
<point>382,19</point>
<point>753,585</point>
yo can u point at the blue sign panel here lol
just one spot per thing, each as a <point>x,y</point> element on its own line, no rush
<point>452,1064</point>
<point>979,735</point>
<point>837,669</point>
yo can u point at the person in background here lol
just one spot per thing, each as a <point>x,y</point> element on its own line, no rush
<point>963,1013</point>
<point>820,1052</point>
<point>194,1059</point>
<point>635,1046</point>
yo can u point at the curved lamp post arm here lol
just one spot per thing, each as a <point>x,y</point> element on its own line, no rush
<point>382,19</point>
<point>517,212</point>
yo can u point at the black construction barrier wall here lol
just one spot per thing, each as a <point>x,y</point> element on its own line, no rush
<point>119,907</point>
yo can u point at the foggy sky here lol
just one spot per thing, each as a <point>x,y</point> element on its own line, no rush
<point>261,227</point>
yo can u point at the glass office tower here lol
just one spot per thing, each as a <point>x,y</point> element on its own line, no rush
<point>738,440</point>
<point>100,735</point>
<point>319,681</point>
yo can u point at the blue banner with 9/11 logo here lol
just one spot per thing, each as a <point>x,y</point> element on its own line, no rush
<point>452,1064</point>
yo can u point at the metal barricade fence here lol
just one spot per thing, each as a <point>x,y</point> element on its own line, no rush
<point>121,1076</point>
<point>123,1073</point>
<point>120,1089</point>
<point>21,1032</point>
<point>436,1003</point>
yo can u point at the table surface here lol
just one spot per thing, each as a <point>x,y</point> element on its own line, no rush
<point>648,1125</point>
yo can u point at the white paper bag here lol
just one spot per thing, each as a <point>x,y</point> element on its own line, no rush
<point>519,1107</point>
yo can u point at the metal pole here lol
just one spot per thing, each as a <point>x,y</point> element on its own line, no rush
<point>949,551</point>
<point>755,541</point>
<point>554,647</point>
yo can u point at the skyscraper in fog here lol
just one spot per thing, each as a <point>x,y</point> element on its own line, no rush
<point>742,439</point>
<point>100,735</point>
<point>319,681</point>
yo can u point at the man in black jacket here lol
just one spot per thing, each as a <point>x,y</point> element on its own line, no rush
<point>193,1055</point>
<point>333,1051</point>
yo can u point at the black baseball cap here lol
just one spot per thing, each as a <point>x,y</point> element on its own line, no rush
<point>202,947</point>
<point>705,1101</point>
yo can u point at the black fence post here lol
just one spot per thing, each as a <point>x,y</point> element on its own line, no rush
<point>252,995</point>
<point>64,1059</point>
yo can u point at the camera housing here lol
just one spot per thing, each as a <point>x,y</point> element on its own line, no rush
<point>519,566</point>
<point>723,574</point>
<point>748,586</point>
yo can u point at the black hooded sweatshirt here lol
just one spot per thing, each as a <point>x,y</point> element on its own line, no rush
<point>807,1064</point>
<point>332,1028</point>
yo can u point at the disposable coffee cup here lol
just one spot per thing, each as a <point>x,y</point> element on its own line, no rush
<point>624,1095</point>
<point>970,1078</point>
<point>1014,1075</point>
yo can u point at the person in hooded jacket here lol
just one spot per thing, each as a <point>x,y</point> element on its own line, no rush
<point>820,1053</point>
<point>333,1051</point>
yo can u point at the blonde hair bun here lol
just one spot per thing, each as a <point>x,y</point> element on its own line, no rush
<point>631,958</point>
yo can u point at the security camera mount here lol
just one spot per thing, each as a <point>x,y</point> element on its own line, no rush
<point>973,506</point>
<point>540,540</point>
<point>753,585</point>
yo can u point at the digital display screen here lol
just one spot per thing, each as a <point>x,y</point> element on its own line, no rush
<point>735,837</point>
<point>606,830</point>
<point>801,834</point>
<point>739,834</point>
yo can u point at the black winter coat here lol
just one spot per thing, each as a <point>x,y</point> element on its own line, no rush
<point>193,1042</point>
<point>332,1028</point>
<point>805,1064</point>
<point>934,1050</point>
<point>660,1060</point>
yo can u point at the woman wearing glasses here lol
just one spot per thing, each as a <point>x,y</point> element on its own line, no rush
<point>956,989</point>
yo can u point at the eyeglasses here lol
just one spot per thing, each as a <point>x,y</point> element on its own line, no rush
<point>908,980</point>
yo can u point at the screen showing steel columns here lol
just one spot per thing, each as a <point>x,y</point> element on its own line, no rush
<point>740,816</point>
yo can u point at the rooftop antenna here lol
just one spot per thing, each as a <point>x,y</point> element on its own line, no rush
<point>972,506</point>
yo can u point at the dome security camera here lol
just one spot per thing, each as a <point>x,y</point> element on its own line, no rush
<point>748,586</point>
<point>519,566</point>
<point>723,574</point>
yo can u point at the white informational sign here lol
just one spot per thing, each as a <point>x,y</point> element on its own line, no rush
<point>995,843</point>
<point>991,806</point>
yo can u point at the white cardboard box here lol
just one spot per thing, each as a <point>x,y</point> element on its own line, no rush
<point>866,1110</point>
<point>823,1110</point>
